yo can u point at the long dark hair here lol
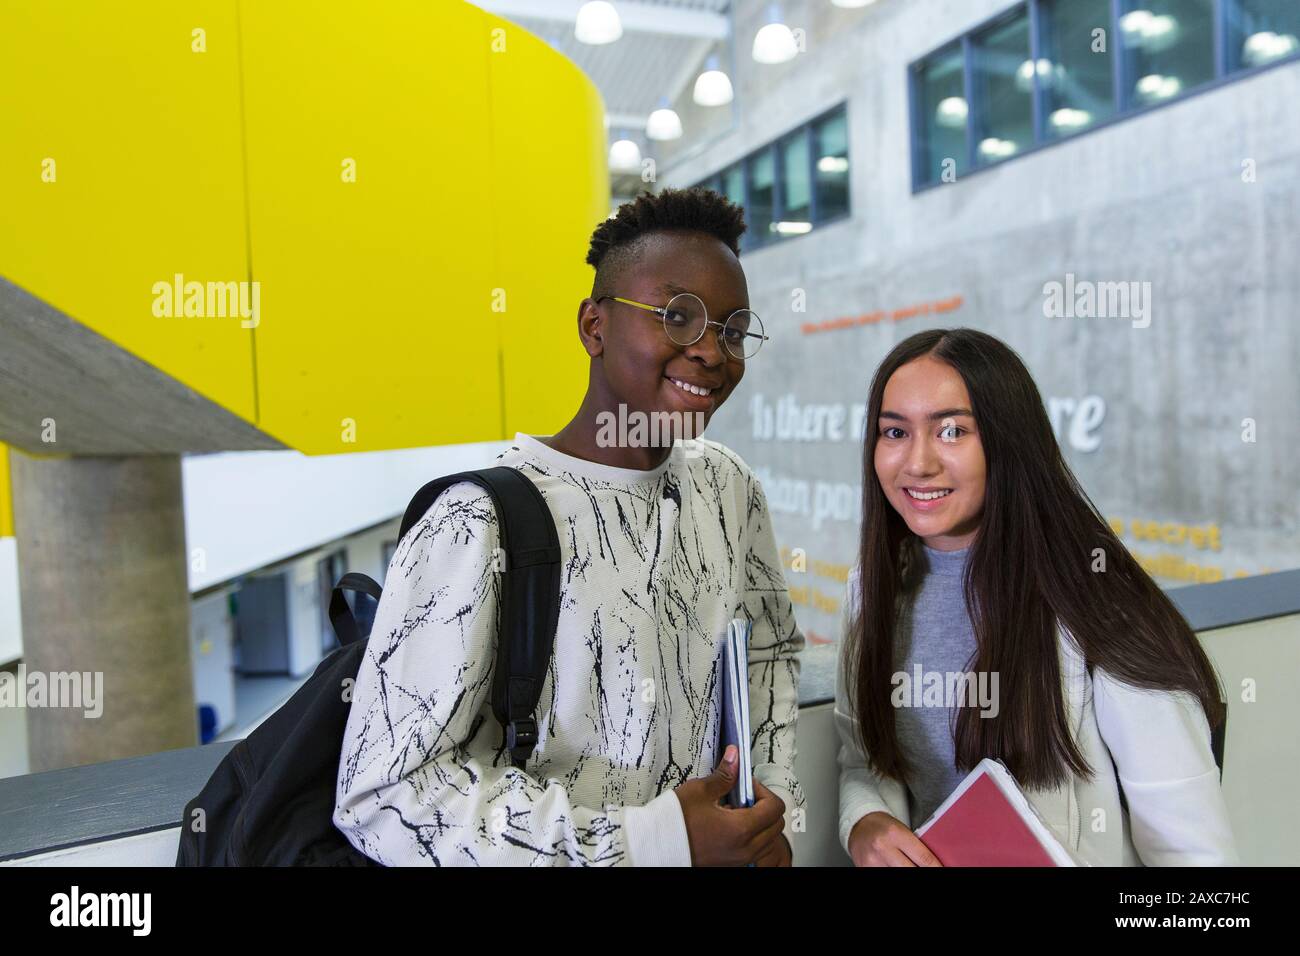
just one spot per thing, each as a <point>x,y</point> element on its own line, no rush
<point>1030,569</point>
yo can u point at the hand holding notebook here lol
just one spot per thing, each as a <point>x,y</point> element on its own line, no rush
<point>719,836</point>
<point>988,821</point>
<point>734,721</point>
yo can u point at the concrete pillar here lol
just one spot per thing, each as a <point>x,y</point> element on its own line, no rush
<point>102,572</point>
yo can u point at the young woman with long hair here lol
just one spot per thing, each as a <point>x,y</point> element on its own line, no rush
<point>980,554</point>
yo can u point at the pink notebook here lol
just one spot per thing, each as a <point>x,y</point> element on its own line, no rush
<point>987,821</point>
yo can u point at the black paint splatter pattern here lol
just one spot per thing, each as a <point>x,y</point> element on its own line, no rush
<point>652,569</point>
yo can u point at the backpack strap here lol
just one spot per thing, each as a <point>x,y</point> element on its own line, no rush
<point>341,617</point>
<point>530,595</point>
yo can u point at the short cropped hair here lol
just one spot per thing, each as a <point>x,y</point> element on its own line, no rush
<point>613,244</point>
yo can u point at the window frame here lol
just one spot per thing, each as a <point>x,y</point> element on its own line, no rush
<point>751,239</point>
<point>1224,72</point>
<point>974,102</point>
<point>818,218</point>
<point>919,155</point>
<point>1223,23</point>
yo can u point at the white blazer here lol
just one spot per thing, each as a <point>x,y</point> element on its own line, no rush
<point>1160,742</point>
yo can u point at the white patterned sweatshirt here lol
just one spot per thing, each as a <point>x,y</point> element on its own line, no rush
<point>654,564</point>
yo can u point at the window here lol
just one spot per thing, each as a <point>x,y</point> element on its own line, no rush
<point>831,147</point>
<point>942,108</point>
<point>789,187</point>
<point>733,184</point>
<point>1075,69</point>
<point>762,196</point>
<point>1261,32</point>
<point>796,185</point>
<point>1046,69</point>
<point>1002,71</point>
<point>1168,47</point>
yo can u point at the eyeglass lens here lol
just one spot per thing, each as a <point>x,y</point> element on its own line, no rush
<point>685,319</point>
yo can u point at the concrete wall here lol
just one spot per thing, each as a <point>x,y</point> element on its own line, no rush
<point>1157,198</point>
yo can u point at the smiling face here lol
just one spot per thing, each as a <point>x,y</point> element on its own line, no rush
<point>928,458</point>
<point>641,367</point>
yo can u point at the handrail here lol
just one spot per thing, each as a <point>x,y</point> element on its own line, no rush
<point>55,809</point>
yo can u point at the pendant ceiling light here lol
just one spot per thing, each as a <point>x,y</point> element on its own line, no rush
<point>664,123</point>
<point>774,43</point>
<point>624,156</point>
<point>713,87</point>
<point>597,23</point>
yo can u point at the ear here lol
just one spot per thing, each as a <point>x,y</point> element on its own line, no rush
<point>591,327</point>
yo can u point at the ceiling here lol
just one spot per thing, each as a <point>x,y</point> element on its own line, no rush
<point>663,48</point>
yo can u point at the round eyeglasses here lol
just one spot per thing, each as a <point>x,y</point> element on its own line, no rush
<point>685,318</point>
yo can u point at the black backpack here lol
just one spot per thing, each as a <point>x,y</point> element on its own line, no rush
<point>270,802</point>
